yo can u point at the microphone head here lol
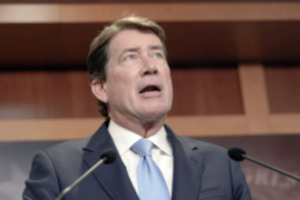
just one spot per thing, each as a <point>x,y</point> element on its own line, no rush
<point>236,153</point>
<point>109,154</point>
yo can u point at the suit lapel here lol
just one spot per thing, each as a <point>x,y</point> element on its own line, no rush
<point>188,167</point>
<point>112,177</point>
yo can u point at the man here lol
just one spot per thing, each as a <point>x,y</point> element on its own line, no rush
<point>131,80</point>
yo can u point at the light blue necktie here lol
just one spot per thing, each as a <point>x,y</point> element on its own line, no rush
<point>151,183</point>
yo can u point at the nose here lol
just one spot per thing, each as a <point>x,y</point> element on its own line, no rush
<point>149,67</point>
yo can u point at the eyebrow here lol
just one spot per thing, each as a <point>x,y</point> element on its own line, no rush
<point>137,49</point>
<point>159,47</point>
<point>134,49</point>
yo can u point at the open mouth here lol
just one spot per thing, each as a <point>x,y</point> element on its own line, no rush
<point>150,88</point>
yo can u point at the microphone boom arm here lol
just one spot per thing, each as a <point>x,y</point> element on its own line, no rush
<point>239,154</point>
<point>70,187</point>
<point>271,167</point>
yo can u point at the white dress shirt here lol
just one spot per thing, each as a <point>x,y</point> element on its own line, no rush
<point>161,153</point>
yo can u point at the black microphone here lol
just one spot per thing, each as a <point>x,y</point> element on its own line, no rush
<point>107,156</point>
<point>238,154</point>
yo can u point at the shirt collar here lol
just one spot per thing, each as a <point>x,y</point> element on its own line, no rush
<point>160,140</point>
<point>124,138</point>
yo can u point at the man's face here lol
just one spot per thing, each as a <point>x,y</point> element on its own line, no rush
<point>138,85</point>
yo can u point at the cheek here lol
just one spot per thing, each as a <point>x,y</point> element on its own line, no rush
<point>168,79</point>
<point>120,84</point>
<point>170,93</point>
<point>169,85</point>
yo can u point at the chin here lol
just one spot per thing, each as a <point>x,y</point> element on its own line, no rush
<point>155,114</point>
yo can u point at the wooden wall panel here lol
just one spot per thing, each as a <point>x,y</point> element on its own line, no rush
<point>208,101</point>
<point>46,94</point>
<point>60,34</point>
<point>162,11</point>
<point>63,94</point>
<point>206,91</point>
<point>25,46</point>
<point>132,1</point>
<point>66,45</point>
<point>283,88</point>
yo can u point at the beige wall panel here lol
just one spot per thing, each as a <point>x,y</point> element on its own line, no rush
<point>64,129</point>
<point>254,97</point>
<point>36,13</point>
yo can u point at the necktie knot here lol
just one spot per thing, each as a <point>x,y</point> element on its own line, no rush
<point>142,147</point>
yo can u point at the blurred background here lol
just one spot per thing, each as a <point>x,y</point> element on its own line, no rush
<point>235,70</point>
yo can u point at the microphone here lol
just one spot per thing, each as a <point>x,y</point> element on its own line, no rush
<point>238,154</point>
<point>107,156</point>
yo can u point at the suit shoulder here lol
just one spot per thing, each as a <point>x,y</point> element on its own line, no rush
<point>205,148</point>
<point>67,147</point>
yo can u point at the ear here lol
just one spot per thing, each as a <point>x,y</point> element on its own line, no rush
<point>99,90</point>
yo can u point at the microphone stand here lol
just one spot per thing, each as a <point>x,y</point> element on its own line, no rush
<point>69,188</point>
<point>293,176</point>
<point>239,154</point>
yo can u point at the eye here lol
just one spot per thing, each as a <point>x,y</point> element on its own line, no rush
<point>130,57</point>
<point>158,55</point>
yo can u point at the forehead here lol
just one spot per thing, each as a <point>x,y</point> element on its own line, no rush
<point>131,38</point>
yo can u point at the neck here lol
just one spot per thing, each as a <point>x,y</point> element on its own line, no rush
<point>143,128</point>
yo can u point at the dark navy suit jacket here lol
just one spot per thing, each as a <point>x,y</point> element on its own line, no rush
<point>201,171</point>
